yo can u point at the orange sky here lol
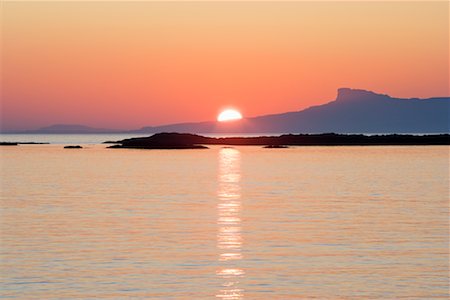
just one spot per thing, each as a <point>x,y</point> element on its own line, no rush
<point>132,64</point>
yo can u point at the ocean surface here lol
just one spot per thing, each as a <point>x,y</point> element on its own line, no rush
<point>95,138</point>
<point>226,223</point>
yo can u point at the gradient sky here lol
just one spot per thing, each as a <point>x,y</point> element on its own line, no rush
<point>132,64</point>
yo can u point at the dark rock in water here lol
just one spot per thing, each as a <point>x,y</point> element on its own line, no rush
<point>8,144</point>
<point>73,147</point>
<point>275,147</point>
<point>193,141</point>
<point>161,147</point>
<point>165,141</point>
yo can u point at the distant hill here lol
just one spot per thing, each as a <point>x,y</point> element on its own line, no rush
<point>70,129</point>
<point>353,111</point>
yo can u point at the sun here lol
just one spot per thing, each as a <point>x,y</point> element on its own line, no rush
<point>229,115</point>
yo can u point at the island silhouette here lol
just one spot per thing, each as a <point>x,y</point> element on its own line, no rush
<point>353,111</point>
<point>174,140</point>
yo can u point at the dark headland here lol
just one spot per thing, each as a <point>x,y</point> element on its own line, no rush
<point>21,143</point>
<point>192,141</point>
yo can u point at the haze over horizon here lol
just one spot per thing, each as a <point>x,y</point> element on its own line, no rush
<point>134,64</point>
<point>353,111</point>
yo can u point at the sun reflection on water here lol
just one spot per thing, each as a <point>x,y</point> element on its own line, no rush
<point>229,237</point>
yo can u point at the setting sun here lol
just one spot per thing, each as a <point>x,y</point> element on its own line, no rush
<point>229,115</point>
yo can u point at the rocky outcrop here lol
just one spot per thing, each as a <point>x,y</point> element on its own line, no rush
<point>193,141</point>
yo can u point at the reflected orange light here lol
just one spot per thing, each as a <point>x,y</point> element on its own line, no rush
<point>231,272</point>
<point>229,237</point>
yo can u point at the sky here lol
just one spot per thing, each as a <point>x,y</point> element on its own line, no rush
<point>126,65</point>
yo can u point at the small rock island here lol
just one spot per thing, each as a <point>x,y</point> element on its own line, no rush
<point>164,141</point>
<point>193,141</point>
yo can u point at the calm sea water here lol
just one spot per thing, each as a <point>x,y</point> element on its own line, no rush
<point>92,138</point>
<point>227,223</point>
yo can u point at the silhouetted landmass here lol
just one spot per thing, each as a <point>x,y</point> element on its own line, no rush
<point>66,129</point>
<point>73,147</point>
<point>8,144</point>
<point>63,128</point>
<point>193,141</point>
<point>353,111</point>
<point>161,147</point>
<point>165,141</point>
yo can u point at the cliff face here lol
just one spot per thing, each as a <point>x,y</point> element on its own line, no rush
<point>368,112</point>
<point>347,95</point>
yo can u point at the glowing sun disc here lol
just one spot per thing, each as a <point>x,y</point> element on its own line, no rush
<point>229,115</point>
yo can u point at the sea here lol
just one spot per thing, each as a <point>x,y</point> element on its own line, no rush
<point>311,222</point>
